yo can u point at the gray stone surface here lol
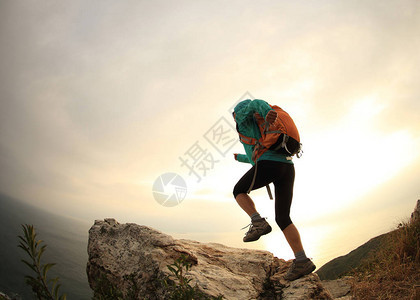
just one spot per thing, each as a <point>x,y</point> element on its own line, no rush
<point>120,250</point>
<point>338,288</point>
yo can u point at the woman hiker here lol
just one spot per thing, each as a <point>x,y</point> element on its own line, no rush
<point>272,167</point>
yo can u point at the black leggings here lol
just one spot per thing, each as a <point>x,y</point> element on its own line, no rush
<point>283,177</point>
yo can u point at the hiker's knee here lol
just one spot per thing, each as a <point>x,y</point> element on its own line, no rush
<point>238,189</point>
<point>283,221</point>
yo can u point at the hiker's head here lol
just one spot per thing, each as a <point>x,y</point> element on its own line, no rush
<point>241,105</point>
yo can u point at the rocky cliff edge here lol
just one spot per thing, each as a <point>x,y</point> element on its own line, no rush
<point>127,255</point>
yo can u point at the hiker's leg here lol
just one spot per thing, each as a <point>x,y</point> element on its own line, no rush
<point>293,238</point>
<point>240,193</point>
<point>241,188</point>
<point>284,194</point>
<point>259,226</point>
<point>246,203</point>
<point>283,190</point>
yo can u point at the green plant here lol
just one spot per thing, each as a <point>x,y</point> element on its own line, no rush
<point>39,283</point>
<point>133,291</point>
<point>178,284</point>
<point>105,290</point>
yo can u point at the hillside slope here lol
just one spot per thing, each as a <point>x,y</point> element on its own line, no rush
<point>341,265</point>
<point>386,267</point>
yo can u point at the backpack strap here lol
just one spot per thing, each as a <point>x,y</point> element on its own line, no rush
<point>253,178</point>
<point>270,195</point>
<point>284,143</point>
<point>269,191</point>
<point>247,140</point>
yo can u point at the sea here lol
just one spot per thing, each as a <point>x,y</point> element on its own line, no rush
<point>66,241</point>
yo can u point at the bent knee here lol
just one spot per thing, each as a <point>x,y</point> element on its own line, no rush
<point>283,221</point>
<point>238,190</point>
<point>236,193</point>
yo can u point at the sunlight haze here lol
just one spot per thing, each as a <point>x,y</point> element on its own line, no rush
<point>100,98</point>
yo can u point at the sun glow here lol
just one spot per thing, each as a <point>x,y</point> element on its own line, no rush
<point>347,160</point>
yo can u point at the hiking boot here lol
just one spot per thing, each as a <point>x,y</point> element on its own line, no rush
<point>257,228</point>
<point>299,269</point>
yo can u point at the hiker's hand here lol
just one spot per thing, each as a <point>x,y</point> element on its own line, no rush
<point>271,116</point>
<point>235,155</point>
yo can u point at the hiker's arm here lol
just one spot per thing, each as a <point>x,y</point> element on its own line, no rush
<point>241,158</point>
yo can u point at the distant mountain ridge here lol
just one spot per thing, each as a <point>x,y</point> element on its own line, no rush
<point>339,266</point>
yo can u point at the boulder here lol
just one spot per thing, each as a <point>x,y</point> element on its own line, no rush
<point>132,260</point>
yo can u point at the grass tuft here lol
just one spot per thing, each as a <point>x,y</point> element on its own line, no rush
<point>393,270</point>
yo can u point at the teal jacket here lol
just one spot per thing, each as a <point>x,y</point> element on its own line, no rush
<point>246,125</point>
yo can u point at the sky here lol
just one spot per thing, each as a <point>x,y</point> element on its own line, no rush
<point>101,98</point>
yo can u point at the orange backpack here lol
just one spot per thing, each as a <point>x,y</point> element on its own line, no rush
<point>281,136</point>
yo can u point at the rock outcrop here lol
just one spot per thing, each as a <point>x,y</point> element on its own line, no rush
<point>340,289</point>
<point>125,255</point>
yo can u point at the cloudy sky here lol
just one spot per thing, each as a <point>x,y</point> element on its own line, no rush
<point>100,98</point>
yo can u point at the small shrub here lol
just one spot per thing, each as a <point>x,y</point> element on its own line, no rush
<point>105,290</point>
<point>39,283</point>
<point>178,284</point>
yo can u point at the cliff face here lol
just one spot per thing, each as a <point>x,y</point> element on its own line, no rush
<point>127,255</point>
